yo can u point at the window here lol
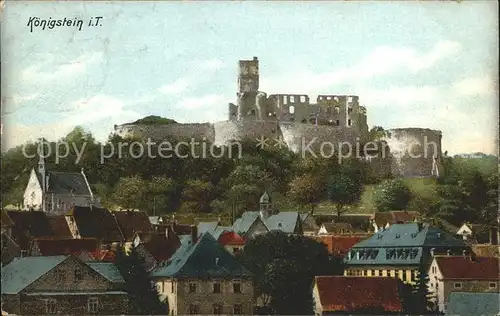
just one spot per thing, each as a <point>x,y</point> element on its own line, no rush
<point>349,99</point>
<point>237,287</point>
<point>349,110</point>
<point>159,287</point>
<point>337,110</point>
<point>337,122</point>
<point>61,276</point>
<point>457,285</point>
<point>493,285</point>
<point>238,309</point>
<point>235,249</point>
<point>292,99</point>
<point>291,109</point>
<point>92,305</point>
<point>302,99</point>
<point>285,100</point>
<point>433,269</point>
<point>172,287</point>
<point>50,306</point>
<point>217,308</point>
<point>192,287</point>
<point>349,123</point>
<point>194,309</point>
<point>217,287</point>
<point>78,274</point>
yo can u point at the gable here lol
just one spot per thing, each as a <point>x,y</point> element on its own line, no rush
<point>92,280</point>
<point>33,191</point>
<point>257,226</point>
<point>464,230</point>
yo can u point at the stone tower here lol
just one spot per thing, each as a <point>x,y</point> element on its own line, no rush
<point>248,87</point>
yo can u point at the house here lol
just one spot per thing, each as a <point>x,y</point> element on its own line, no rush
<point>56,247</point>
<point>29,225</point>
<point>340,245</point>
<point>338,228</point>
<point>479,233</point>
<point>402,250</point>
<point>464,303</point>
<point>131,222</point>
<point>449,274</point>
<point>230,240</point>
<point>55,192</point>
<point>203,278</point>
<point>309,225</point>
<point>60,227</point>
<point>62,285</point>
<point>94,222</point>
<point>10,249</point>
<point>381,220</point>
<point>348,294</point>
<point>251,224</point>
<point>157,247</point>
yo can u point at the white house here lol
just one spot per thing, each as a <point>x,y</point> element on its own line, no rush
<point>56,192</point>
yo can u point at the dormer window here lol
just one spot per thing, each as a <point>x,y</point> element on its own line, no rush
<point>398,235</point>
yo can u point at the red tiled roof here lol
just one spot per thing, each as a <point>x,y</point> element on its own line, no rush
<point>478,268</point>
<point>231,238</point>
<point>104,255</point>
<point>347,293</point>
<point>340,245</point>
<point>131,222</point>
<point>55,247</point>
<point>60,227</point>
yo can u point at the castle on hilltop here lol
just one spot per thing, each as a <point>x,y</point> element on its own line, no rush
<point>342,111</point>
<point>300,123</point>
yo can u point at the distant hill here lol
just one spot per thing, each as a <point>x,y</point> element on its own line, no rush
<point>153,120</point>
<point>486,164</point>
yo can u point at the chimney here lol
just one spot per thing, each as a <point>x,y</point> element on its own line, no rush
<point>432,251</point>
<point>166,232</point>
<point>448,252</point>
<point>420,226</point>
<point>194,234</point>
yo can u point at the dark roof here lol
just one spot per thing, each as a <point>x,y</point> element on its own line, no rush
<point>56,247</point>
<point>131,222</point>
<point>410,241</point>
<point>28,225</point>
<point>205,258</point>
<point>182,229</point>
<point>60,226</point>
<point>66,183</point>
<point>95,222</point>
<point>464,303</point>
<point>5,219</point>
<point>478,268</point>
<point>308,222</point>
<point>348,294</point>
<point>340,245</point>
<point>162,247</point>
<point>394,217</point>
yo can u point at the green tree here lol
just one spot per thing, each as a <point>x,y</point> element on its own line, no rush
<point>392,195</point>
<point>196,196</point>
<point>130,192</point>
<point>345,188</point>
<point>145,299</point>
<point>284,267</point>
<point>161,195</point>
<point>307,190</point>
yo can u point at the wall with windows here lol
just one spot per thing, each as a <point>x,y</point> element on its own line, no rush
<point>407,274</point>
<point>213,297</point>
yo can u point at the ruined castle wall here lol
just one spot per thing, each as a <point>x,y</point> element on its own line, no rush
<point>168,132</point>
<point>413,151</point>
<point>238,130</point>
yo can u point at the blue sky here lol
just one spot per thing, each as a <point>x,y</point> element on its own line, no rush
<point>414,64</point>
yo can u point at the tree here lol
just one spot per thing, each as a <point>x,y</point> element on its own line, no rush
<point>130,192</point>
<point>344,188</point>
<point>144,295</point>
<point>307,190</point>
<point>196,196</point>
<point>161,194</point>
<point>284,267</point>
<point>418,300</point>
<point>392,195</point>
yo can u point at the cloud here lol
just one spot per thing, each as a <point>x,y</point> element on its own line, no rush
<point>400,96</point>
<point>86,112</point>
<point>39,72</point>
<point>178,86</point>
<point>476,86</point>
<point>204,101</point>
<point>383,60</point>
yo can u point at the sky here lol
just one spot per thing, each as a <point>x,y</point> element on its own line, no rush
<point>413,64</point>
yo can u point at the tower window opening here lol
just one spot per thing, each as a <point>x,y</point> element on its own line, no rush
<point>291,109</point>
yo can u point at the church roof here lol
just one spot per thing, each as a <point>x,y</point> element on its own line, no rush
<point>65,183</point>
<point>265,198</point>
